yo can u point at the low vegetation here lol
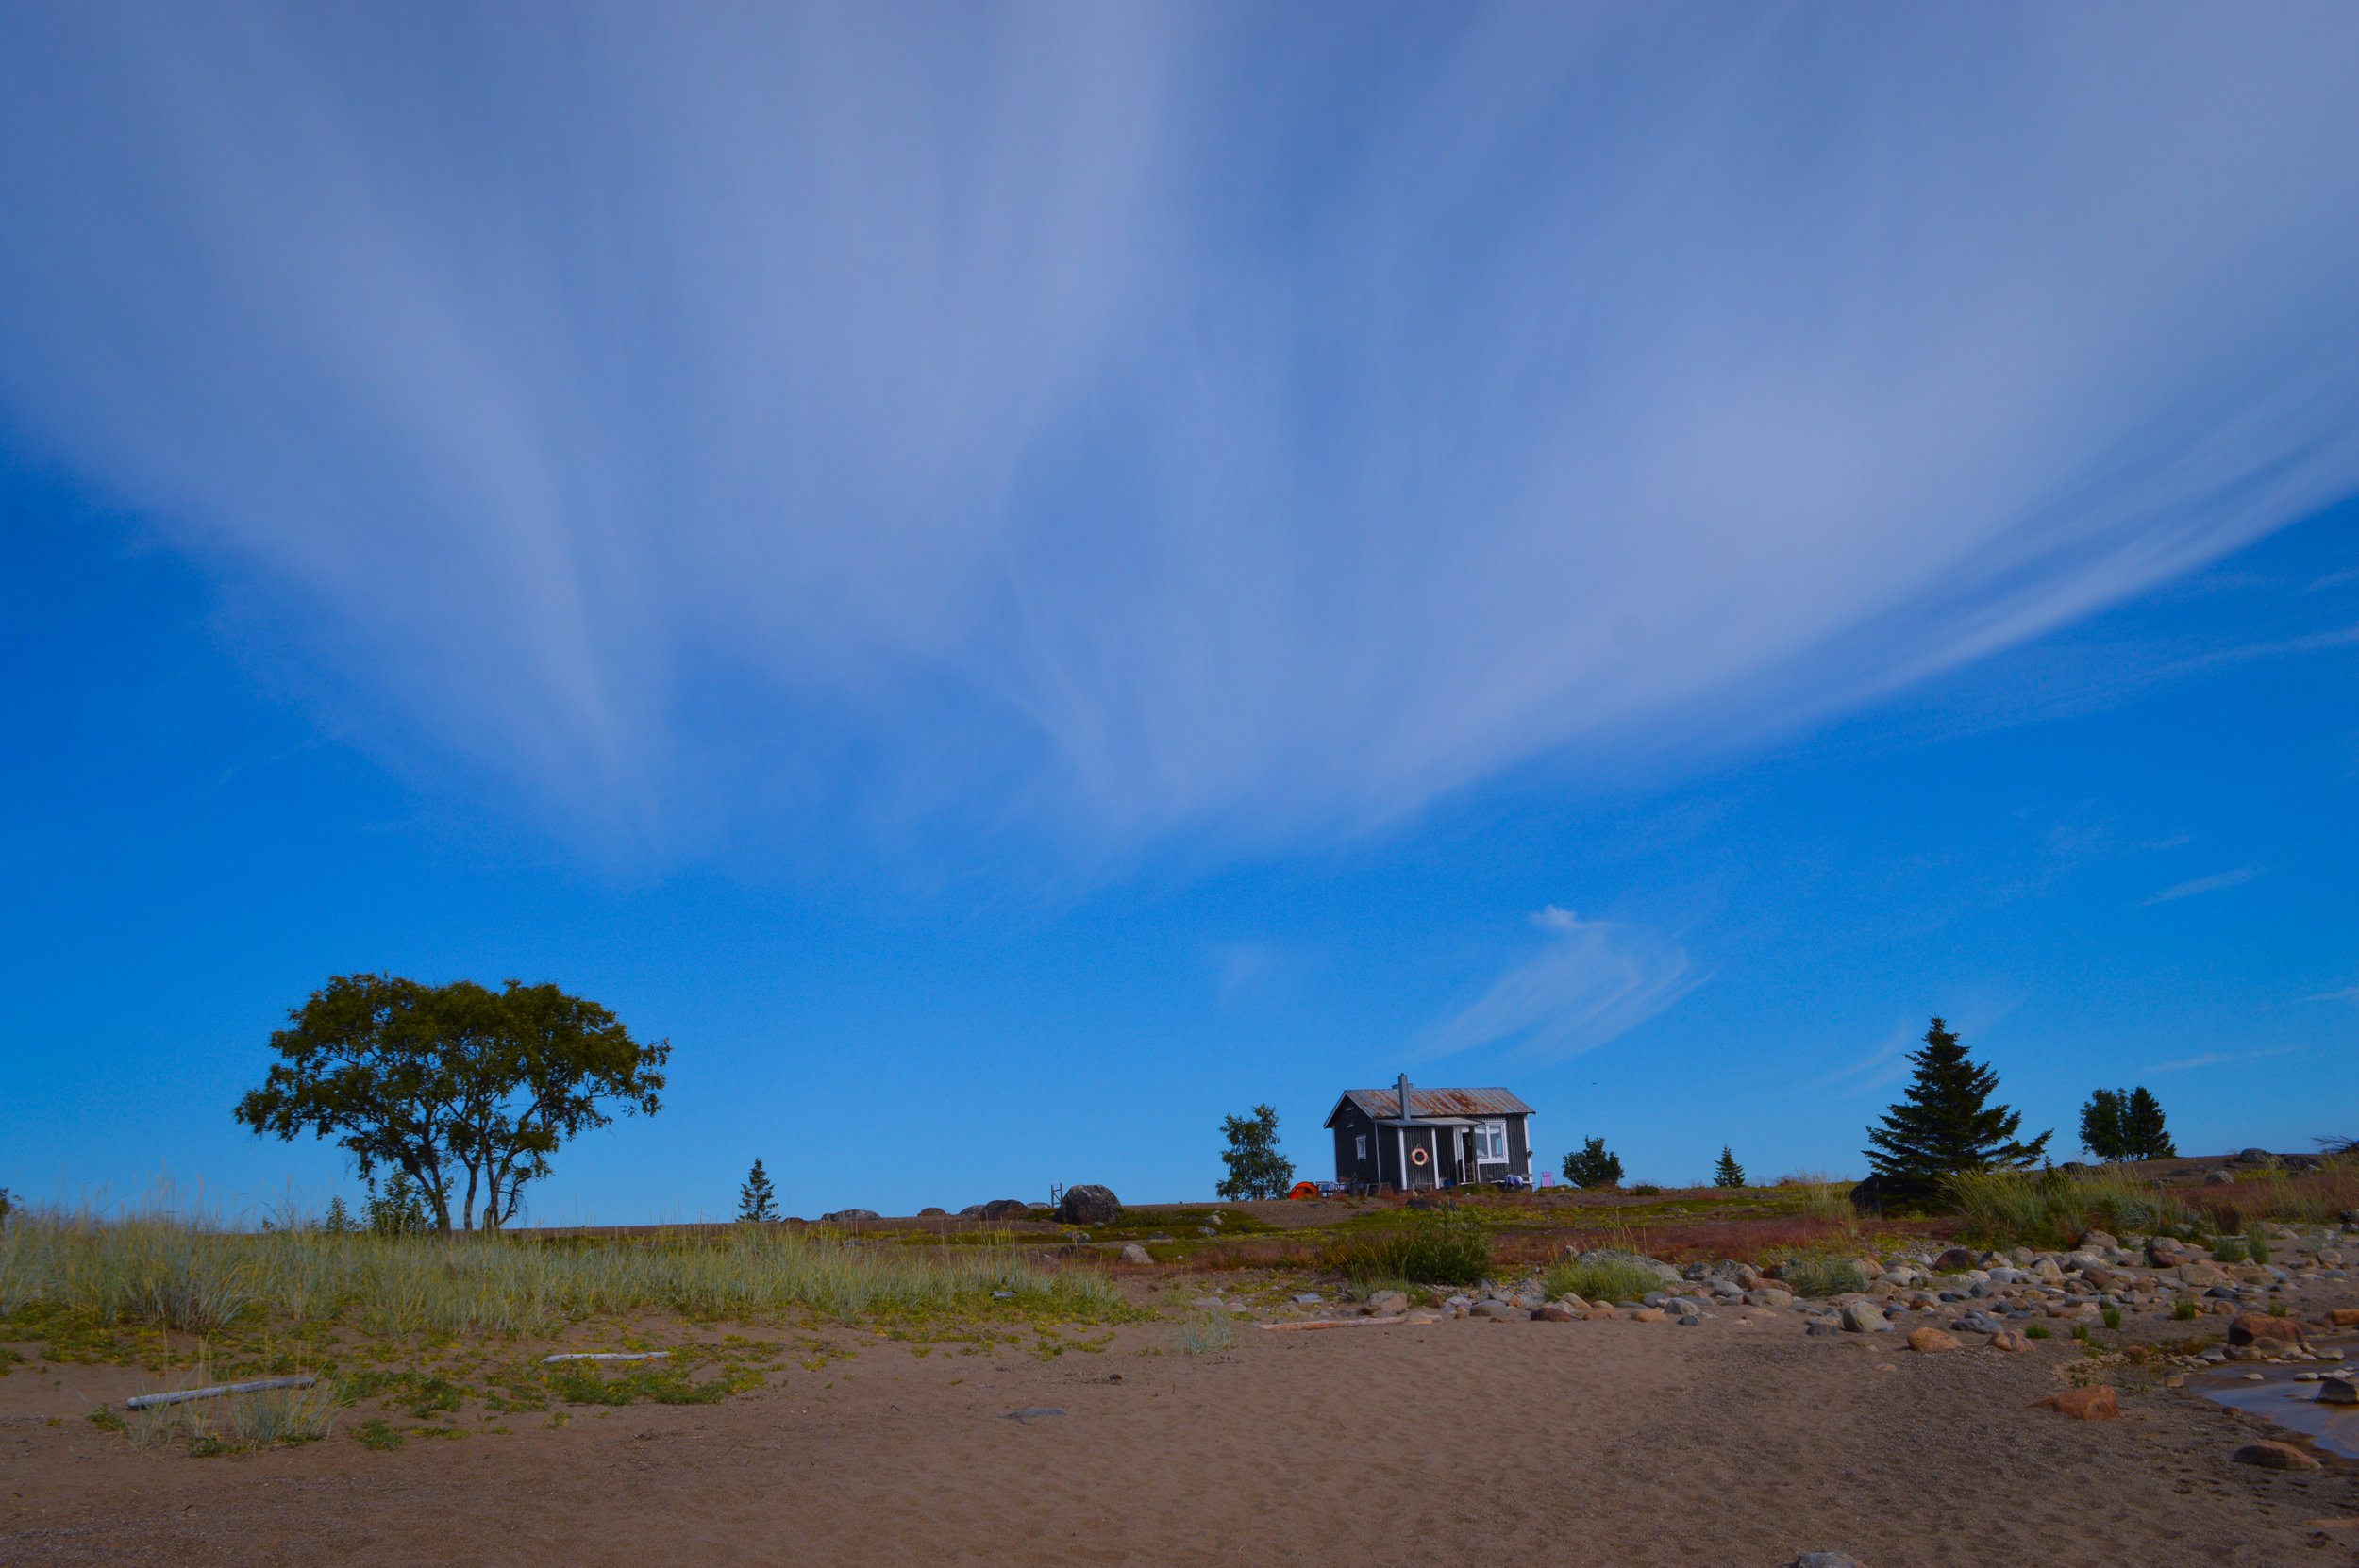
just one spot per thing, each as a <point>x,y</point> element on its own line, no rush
<point>172,1274</point>
<point>1604,1279</point>
<point>1439,1246</point>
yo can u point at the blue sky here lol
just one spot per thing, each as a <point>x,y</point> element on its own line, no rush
<point>1015,581</point>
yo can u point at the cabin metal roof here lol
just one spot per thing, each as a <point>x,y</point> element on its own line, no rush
<point>1384,1104</point>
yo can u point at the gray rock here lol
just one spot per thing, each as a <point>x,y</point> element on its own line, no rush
<point>2219,1179</point>
<point>1089,1204</point>
<point>2339,1391</point>
<point>1133,1253</point>
<point>1309,1298</point>
<point>1386,1304</point>
<point>1827,1559</point>
<point>841,1216</point>
<point>1031,1414</point>
<point>2255,1157</point>
<point>1978,1323</point>
<point>1004,1209</point>
<point>932,1213</point>
<point>1498,1311</point>
<point>1864,1317</point>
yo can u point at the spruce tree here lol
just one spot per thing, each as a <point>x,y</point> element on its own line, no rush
<point>1945,1124</point>
<point>755,1199</point>
<point>1729,1174</point>
<point>2143,1131</point>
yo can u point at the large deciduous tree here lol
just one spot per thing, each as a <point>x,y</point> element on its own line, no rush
<point>1945,1123</point>
<point>440,1083</point>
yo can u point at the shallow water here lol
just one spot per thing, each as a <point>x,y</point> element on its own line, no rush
<point>2279,1400</point>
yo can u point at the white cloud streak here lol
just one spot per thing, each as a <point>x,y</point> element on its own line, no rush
<point>2214,883</point>
<point>1591,982</point>
<point>1143,420</point>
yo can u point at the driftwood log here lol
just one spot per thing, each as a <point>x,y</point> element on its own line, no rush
<point>178,1396</point>
<point>605,1356</point>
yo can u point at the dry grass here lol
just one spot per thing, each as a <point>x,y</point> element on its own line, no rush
<point>2049,1209</point>
<point>232,1423</point>
<point>175,1274</point>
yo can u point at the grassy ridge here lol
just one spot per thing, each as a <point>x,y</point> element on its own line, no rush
<point>173,1274</point>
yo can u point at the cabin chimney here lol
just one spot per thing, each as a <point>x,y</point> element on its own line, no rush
<point>1405,1114</point>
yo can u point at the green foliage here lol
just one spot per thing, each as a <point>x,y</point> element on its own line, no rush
<point>376,1434</point>
<point>2049,1209</point>
<point>1646,1189</point>
<point>659,1383</point>
<point>1821,1275</point>
<point>1256,1169</point>
<point>339,1219</point>
<point>239,1421</point>
<point>2228,1249</point>
<point>2038,1331</point>
<point>8,1205</point>
<point>1442,1247</point>
<point>1728,1172</point>
<point>173,1274</point>
<point>2113,1317</point>
<point>2118,1125</point>
<point>1610,1280</point>
<point>757,1200</point>
<point>1593,1165</point>
<point>2184,1310</point>
<point>1945,1123</point>
<point>396,1210</point>
<point>1206,1332</point>
<point>2257,1244</point>
<point>437,1081</point>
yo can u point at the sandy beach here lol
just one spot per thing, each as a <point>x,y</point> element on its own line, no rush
<point>1620,1444</point>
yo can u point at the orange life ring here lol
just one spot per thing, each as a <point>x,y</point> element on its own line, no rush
<point>1416,1157</point>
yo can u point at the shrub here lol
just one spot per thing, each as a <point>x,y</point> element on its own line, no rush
<point>2257,1245</point>
<point>1646,1189</point>
<point>1443,1246</point>
<point>239,1421</point>
<point>1606,1280</point>
<point>2036,1331</point>
<point>2228,1249</point>
<point>1822,1275</point>
<point>2049,1209</point>
<point>2113,1317</point>
<point>1593,1165</point>
<point>1207,1332</point>
<point>2184,1310</point>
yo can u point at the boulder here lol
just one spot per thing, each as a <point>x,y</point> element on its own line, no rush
<point>2339,1391</point>
<point>844,1216</point>
<point>1956,1261</point>
<point>1864,1317</point>
<point>1089,1204</point>
<point>2274,1456</point>
<point>2091,1404</point>
<point>972,1211</point>
<point>2344,1317</point>
<point>1550,1314</point>
<point>2218,1179</point>
<point>1932,1341</point>
<point>1497,1311</point>
<point>1133,1253</point>
<point>932,1213</point>
<point>2260,1329</point>
<point>1004,1209</point>
<point>2007,1340</point>
<point>1385,1304</point>
<point>1649,1315</point>
<point>2255,1157</point>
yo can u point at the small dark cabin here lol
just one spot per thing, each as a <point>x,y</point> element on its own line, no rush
<point>1405,1138</point>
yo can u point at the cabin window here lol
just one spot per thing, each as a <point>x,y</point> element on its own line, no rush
<point>1359,1147</point>
<point>1491,1142</point>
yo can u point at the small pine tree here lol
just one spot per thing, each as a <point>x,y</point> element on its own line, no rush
<point>1729,1173</point>
<point>1593,1165</point>
<point>338,1220</point>
<point>757,1200</point>
<point>1945,1124</point>
<point>2142,1127</point>
<point>8,1205</point>
<point>1256,1169</point>
<point>2125,1123</point>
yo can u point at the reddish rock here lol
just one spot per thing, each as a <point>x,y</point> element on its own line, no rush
<point>1956,1261</point>
<point>2344,1317</point>
<point>2009,1341</point>
<point>2094,1404</point>
<point>1550,1314</point>
<point>1599,1314</point>
<point>2274,1456</point>
<point>1647,1315</point>
<point>1930,1341</point>
<point>2261,1328</point>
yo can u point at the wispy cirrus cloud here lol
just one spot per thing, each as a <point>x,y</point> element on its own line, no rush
<point>2214,883</point>
<point>1587,982</point>
<point>1142,421</point>
<point>2221,1058</point>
